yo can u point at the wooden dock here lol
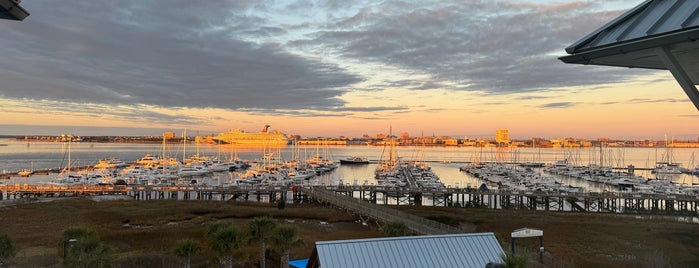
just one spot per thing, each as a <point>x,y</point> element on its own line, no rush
<point>369,200</point>
<point>377,212</point>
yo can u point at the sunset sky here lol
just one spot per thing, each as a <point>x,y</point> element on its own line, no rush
<point>326,68</point>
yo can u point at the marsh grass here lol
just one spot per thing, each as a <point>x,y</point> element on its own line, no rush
<point>145,232</point>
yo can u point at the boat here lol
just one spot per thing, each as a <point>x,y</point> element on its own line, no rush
<point>111,163</point>
<point>354,160</point>
<point>147,159</point>
<point>667,168</point>
<point>262,138</point>
<point>25,173</point>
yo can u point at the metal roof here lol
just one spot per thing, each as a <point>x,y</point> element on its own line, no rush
<point>453,250</point>
<point>11,10</point>
<point>657,34</point>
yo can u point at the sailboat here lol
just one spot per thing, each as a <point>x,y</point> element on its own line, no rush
<point>386,172</point>
<point>65,177</point>
<point>666,166</point>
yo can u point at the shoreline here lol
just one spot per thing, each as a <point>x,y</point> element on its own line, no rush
<point>345,142</point>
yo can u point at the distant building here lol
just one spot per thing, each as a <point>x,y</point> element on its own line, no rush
<point>502,136</point>
<point>451,142</point>
<point>169,135</point>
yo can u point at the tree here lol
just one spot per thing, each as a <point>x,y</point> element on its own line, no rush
<point>393,229</point>
<point>82,248</point>
<point>185,249</point>
<point>260,229</point>
<point>7,248</point>
<point>223,239</point>
<point>285,238</point>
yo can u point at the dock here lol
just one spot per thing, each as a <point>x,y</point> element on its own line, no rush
<point>358,198</point>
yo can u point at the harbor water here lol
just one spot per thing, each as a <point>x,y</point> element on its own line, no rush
<point>445,161</point>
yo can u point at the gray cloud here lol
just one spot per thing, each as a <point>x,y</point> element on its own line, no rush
<point>253,55</point>
<point>331,112</point>
<point>644,100</point>
<point>533,98</point>
<point>173,54</point>
<point>493,46</point>
<point>556,105</point>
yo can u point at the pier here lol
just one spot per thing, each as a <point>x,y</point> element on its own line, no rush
<point>374,197</point>
<point>377,212</point>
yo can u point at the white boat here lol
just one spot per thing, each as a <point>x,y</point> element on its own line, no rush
<point>111,163</point>
<point>667,168</point>
<point>354,160</point>
<point>147,160</point>
<point>188,171</point>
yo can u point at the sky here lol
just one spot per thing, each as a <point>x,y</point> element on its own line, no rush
<point>326,68</point>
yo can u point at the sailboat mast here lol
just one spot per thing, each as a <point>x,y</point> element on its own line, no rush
<point>184,145</point>
<point>163,148</point>
<point>70,140</point>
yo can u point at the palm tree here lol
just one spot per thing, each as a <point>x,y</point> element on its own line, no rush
<point>260,228</point>
<point>185,248</point>
<point>285,238</point>
<point>223,239</point>
<point>82,248</point>
<point>393,229</point>
<point>7,248</point>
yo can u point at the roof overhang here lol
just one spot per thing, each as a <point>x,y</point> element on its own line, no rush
<point>11,10</point>
<point>644,54</point>
<point>654,35</point>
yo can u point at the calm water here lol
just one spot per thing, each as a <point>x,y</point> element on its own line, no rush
<point>445,161</point>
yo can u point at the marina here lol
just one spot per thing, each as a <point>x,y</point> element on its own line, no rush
<point>535,179</point>
<point>625,203</point>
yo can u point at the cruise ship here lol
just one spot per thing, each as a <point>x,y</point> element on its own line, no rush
<point>262,138</point>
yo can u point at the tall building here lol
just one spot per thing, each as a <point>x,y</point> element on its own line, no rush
<point>502,136</point>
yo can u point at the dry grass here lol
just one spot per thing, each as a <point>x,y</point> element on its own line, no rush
<point>155,226</point>
<point>587,240</point>
<point>580,240</point>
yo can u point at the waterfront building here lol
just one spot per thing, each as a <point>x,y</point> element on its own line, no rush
<point>502,136</point>
<point>169,135</point>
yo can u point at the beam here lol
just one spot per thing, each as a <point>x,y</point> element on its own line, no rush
<point>679,73</point>
<point>11,10</point>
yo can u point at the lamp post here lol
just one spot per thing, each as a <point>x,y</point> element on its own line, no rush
<point>65,246</point>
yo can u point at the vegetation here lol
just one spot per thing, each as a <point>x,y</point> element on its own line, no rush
<point>515,261</point>
<point>155,227</point>
<point>7,248</point>
<point>82,248</point>
<point>260,228</point>
<point>393,229</point>
<point>185,249</point>
<point>223,240</point>
<point>285,238</point>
